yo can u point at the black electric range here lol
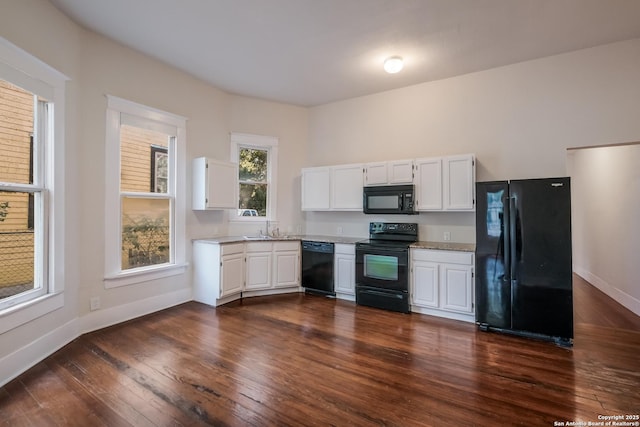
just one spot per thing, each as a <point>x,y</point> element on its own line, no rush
<point>382,266</point>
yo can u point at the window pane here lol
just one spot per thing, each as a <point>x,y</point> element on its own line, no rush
<point>16,243</point>
<point>253,197</point>
<point>16,129</point>
<point>138,168</point>
<point>253,165</point>
<point>145,232</point>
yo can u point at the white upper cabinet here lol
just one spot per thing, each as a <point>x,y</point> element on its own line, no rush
<point>346,187</point>
<point>400,172</point>
<point>389,173</point>
<point>376,174</point>
<point>446,183</point>
<point>316,189</point>
<point>332,188</point>
<point>441,183</point>
<point>459,182</point>
<point>214,184</point>
<point>429,184</point>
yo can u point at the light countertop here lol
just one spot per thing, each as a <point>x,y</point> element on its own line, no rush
<point>243,239</point>
<point>445,246</point>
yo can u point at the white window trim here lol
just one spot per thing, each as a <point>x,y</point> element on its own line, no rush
<point>114,276</point>
<point>261,142</point>
<point>27,71</point>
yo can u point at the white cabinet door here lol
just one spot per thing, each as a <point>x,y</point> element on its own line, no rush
<point>286,269</point>
<point>231,274</point>
<point>400,172</point>
<point>258,270</point>
<point>426,281</point>
<point>457,288</point>
<point>429,184</point>
<point>376,174</point>
<point>346,187</point>
<point>214,184</point>
<point>385,173</point>
<point>345,274</point>
<point>459,182</point>
<point>316,189</point>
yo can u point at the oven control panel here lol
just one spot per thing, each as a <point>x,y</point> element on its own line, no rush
<point>404,231</point>
<point>393,227</point>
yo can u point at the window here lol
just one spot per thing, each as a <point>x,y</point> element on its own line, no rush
<point>257,158</point>
<point>145,214</point>
<point>32,147</point>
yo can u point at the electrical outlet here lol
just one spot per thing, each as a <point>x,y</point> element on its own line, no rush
<point>447,236</point>
<point>95,303</point>
<point>339,231</point>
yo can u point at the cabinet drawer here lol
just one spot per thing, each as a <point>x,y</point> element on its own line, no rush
<point>259,246</point>
<point>286,246</point>
<point>235,248</point>
<point>451,257</point>
<point>341,248</point>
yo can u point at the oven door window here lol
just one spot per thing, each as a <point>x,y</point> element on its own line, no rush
<point>391,201</point>
<point>381,267</point>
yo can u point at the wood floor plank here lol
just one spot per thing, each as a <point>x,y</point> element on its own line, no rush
<point>293,360</point>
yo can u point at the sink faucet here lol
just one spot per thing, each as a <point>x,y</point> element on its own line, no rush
<point>268,229</point>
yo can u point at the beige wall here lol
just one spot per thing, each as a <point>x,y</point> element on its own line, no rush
<point>54,39</point>
<point>517,119</point>
<point>98,67</point>
<point>605,190</point>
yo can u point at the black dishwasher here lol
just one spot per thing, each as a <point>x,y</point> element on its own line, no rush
<point>317,267</point>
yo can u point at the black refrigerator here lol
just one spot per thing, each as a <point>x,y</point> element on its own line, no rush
<point>523,258</point>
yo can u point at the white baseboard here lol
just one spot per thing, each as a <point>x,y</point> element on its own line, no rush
<point>24,358</point>
<point>621,297</point>
<point>471,318</point>
<point>99,319</point>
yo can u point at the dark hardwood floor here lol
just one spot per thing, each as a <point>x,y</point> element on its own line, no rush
<point>298,360</point>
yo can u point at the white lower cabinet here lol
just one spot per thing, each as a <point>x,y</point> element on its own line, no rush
<point>272,265</point>
<point>259,262</point>
<point>224,272</point>
<point>286,264</point>
<point>218,272</point>
<point>442,283</point>
<point>345,271</point>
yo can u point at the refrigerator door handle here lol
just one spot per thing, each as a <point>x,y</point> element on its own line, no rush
<point>506,246</point>
<point>513,237</point>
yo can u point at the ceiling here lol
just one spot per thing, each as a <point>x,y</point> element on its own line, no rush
<point>311,52</point>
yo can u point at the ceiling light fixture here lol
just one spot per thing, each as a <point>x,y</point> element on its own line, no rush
<point>393,64</point>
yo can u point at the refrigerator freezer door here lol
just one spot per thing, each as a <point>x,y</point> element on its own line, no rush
<point>541,257</point>
<point>493,284</point>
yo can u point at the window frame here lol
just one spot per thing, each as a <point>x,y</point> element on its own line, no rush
<point>118,111</point>
<point>259,142</point>
<point>28,72</point>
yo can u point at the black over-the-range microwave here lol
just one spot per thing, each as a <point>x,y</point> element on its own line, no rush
<point>389,199</point>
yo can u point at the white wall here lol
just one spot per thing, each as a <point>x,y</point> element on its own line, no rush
<point>99,67</point>
<point>38,28</point>
<point>517,119</point>
<point>605,198</point>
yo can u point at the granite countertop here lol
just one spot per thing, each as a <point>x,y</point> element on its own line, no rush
<point>445,246</point>
<point>442,246</point>
<point>243,239</point>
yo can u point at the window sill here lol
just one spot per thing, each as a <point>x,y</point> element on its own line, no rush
<point>27,311</point>
<point>144,274</point>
